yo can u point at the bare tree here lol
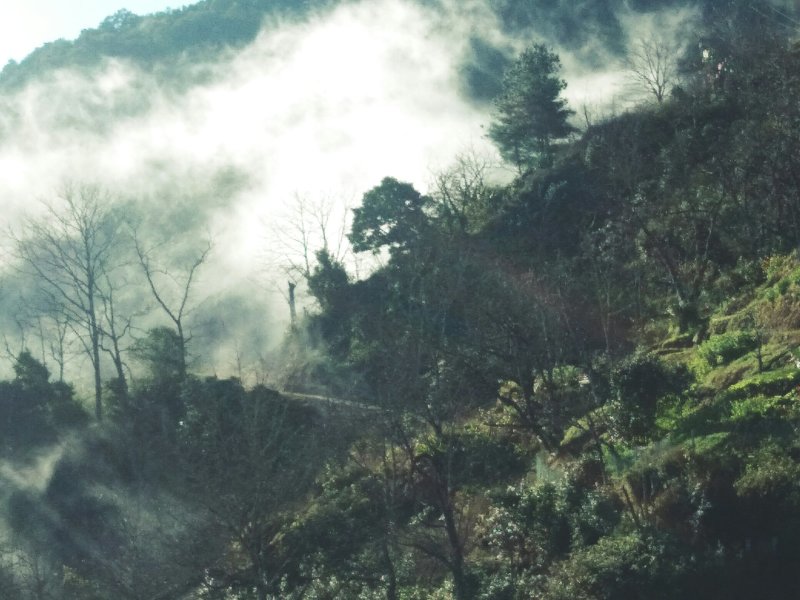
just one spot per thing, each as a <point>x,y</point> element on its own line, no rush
<point>306,227</point>
<point>172,292</point>
<point>115,330</point>
<point>652,66</point>
<point>70,252</point>
<point>295,238</point>
<point>464,193</point>
<point>57,344</point>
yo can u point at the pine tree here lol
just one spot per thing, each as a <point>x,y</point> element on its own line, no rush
<point>530,114</point>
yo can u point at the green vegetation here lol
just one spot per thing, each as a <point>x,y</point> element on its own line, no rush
<point>531,115</point>
<point>168,39</point>
<point>580,385</point>
<point>722,349</point>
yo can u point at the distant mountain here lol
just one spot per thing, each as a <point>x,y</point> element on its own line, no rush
<point>197,32</point>
<point>592,29</point>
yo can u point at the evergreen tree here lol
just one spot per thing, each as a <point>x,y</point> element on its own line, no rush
<point>530,114</point>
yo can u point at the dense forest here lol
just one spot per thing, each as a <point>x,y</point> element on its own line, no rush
<point>581,383</point>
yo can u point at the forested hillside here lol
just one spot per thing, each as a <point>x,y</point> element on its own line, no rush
<point>187,34</point>
<point>583,383</point>
<point>172,42</point>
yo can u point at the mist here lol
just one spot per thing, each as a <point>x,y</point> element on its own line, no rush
<point>317,108</point>
<point>256,154</point>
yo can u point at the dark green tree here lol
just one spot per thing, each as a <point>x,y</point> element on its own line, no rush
<point>531,114</point>
<point>152,412</point>
<point>160,353</point>
<point>248,456</point>
<point>391,214</point>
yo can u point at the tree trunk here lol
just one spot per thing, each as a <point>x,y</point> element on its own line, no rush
<point>391,585</point>
<point>94,334</point>
<point>182,350</point>
<point>461,588</point>
<point>292,307</point>
<point>123,381</point>
<point>98,381</point>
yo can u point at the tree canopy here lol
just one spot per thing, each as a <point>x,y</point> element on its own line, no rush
<point>530,114</point>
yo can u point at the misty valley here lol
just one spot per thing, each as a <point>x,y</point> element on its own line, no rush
<point>404,300</point>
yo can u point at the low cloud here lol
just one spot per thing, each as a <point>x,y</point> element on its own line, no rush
<point>325,107</point>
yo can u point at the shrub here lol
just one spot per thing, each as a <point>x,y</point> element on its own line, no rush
<point>770,474</point>
<point>778,266</point>
<point>531,526</point>
<point>628,566</point>
<point>722,349</point>
<point>770,383</point>
<point>637,385</point>
<point>756,407</point>
<point>768,490</point>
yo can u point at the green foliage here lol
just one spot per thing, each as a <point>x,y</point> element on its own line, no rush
<point>33,411</point>
<point>531,114</point>
<point>758,407</point>
<point>30,373</point>
<point>671,410</point>
<point>200,30</point>
<point>346,530</point>
<point>531,527</point>
<point>391,214</point>
<point>722,349</point>
<point>709,443</point>
<point>475,456</point>
<point>557,398</point>
<point>769,383</point>
<point>654,216</point>
<point>653,229</point>
<point>249,455</point>
<point>769,496</point>
<point>637,385</point>
<point>160,353</point>
<point>780,266</point>
<point>680,340</point>
<point>150,413</point>
<point>585,429</point>
<point>623,566</point>
<point>771,473</point>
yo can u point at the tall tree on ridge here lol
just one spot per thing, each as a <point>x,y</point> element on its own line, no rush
<point>531,114</point>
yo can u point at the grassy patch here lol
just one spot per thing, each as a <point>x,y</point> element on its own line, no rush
<point>700,420</point>
<point>677,342</point>
<point>770,383</point>
<point>704,444</point>
<point>757,407</point>
<point>726,347</point>
<point>722,378</point>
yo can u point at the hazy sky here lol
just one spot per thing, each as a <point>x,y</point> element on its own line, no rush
<point>27,24</point>
<point>318,109</point>
<point>322,109</point>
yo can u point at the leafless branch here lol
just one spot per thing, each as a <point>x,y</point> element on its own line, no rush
<point>652,66</point>
<point>68,252</point>
<point>176,309</point>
